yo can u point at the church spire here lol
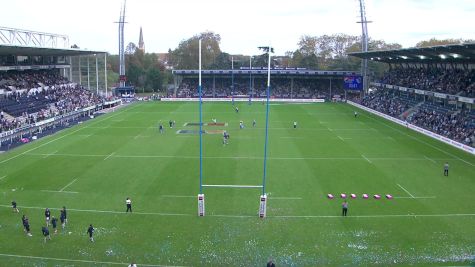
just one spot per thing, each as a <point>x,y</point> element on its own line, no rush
<point>141,43</point>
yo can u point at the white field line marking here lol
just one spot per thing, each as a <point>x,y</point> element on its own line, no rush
<point>419,140</point>
<point>340,138</point>
<point>391,138</point>
<point>366,159</point>
<point>433,161</point>
<point>285,198</point>
<point>61,137</point>
<point>1,178</point>
<point>255,216</point>
<point>432,197</point>
<point>50,154</point>
<point>54,191</point>
<point>238,157</point>
<point>84,135</point>
<point>232,185</point>
<point>330,129</point>
<point>75,260</point>
<point>111,154</point>
<point>62,189</point>
<point>405,190</point>
<point>178,196</point>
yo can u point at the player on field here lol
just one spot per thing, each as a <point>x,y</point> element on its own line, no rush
<point>241,125</point>
<point>26,225</point>
<point>254,123</point>
<point>237,109</point>
<point>45,232</point>
<point>47,216</point>
<point>15,209</point>
<point>128,203</point>
<point>345,208</point>
<point>54,222</point>
<point>225,138</point>
<point>90,232</point>
<point>160,127</point>
<point>446,169</point>
<point>356,114</point>
<point>63,217</point>
<point>170,122</point>
<point>295,124</point>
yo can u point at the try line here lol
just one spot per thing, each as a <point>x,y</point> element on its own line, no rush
<point>382,216</point>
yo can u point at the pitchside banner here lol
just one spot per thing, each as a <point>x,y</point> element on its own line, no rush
<point>353,82</point>
<point>262,206</point>
<point>201,205</point>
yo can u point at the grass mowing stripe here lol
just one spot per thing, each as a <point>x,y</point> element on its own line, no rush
<point>82,261</point>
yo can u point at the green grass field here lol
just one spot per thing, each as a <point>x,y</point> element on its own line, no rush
<point>91,168</point>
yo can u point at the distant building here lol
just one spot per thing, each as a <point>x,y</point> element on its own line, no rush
<point>141,43</point>
<point>164,58</point>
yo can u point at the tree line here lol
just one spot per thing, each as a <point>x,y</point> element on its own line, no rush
<point>325,52</point>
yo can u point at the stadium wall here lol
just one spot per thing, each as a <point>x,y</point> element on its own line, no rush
<point>244,100</point>
<point>444,139</point>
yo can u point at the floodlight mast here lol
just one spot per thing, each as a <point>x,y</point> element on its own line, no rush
<point>122,46</point>
<point>364,44</point>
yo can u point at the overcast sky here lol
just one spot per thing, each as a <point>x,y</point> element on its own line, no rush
<point>242,24</point>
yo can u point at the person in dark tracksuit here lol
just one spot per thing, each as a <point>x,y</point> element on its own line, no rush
<point>90,231</point>
<point>14,207</point>
<point>54,222</point>
<point>345,208</point>
<point>128,203</point>
<point>45,232</point>
<point>26,225</point>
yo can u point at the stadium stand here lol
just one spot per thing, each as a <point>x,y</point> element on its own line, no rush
<point>433,88</point>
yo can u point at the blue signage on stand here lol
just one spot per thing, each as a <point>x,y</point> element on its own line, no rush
<point>353,82</point>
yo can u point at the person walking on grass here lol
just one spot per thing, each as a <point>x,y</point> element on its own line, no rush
<point>345,208</point>
<point>47,216</point>
<point>63,218</point>
<point>54,222</point>
<point>90,232</point>
<point>128,203</point>
<point>45,232</point>
<point>26,225</point>
<point>446,169</point>
<point>14,207</point>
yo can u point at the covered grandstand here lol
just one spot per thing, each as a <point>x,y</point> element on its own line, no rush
<point>45,84</point>
<point>286,82</point>
<point>431,87</point>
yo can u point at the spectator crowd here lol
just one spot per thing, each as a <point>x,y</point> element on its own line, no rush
<point>450,80</point>
<point>32,96</point>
